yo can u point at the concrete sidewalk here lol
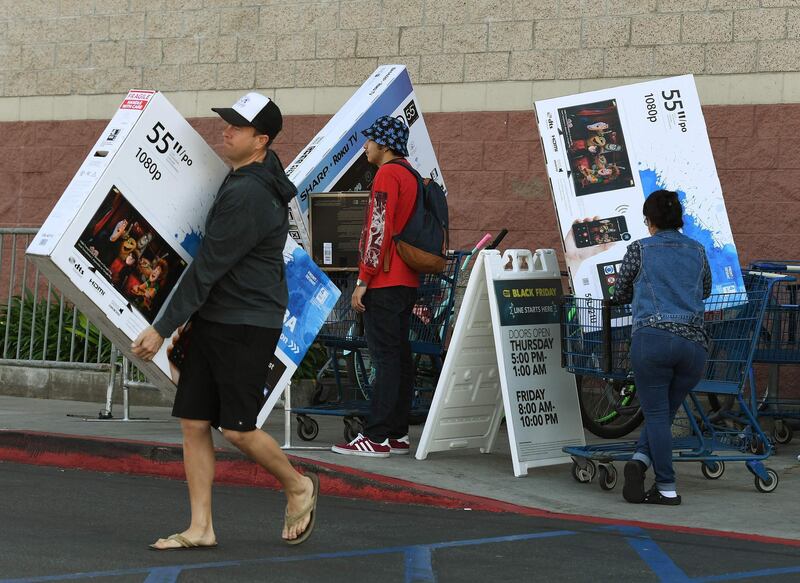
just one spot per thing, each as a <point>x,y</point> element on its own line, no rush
<point>729,504</point>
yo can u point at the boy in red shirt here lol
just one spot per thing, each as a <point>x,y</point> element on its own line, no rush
<point>385,293</point>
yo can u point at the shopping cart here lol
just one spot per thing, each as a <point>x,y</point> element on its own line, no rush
<point>343,336</point>
<point>595,341</point>
<point>779,345</point>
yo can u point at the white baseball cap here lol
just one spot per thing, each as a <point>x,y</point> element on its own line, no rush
<point>254,110</point>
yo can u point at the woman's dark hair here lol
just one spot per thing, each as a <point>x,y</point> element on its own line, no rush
<point>663,210</point>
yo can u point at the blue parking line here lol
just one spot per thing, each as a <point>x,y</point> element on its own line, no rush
<point>668,572</point>
<point>648,550</point>
<point>748,574</point>
<point>418,561</point>
<point>413,549</point>
<point>163,575</point>
<point>419,566</point>
<point>499,539</point>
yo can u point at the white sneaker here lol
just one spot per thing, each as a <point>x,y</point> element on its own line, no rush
<point>364,447</point>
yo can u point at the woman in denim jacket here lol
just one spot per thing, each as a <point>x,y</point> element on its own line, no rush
<point>665,278</point>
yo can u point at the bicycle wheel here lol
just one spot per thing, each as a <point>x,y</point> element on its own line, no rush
<point>609,409</point>
<point>360,374</point>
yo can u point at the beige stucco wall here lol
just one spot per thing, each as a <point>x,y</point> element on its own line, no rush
<point>71,59</point>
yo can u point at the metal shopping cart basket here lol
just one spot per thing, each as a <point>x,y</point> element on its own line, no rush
<point>595,342</point>
<point>343,336</point>
<point>779,345</point>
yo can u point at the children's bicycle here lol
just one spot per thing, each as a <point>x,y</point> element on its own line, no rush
<point>609,407</point>
<point>608,402</point>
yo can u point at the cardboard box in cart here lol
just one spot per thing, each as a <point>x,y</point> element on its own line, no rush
<point>606,151</point>
<point>130,221</point>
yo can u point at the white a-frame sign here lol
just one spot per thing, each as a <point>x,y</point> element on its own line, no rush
<point>505,359</point>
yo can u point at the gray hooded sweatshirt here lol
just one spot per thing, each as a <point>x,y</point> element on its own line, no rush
<point>237,276</point>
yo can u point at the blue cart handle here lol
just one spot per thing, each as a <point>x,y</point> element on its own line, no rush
<point>770,266</point>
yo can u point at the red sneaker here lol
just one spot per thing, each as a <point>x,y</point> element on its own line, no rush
<point>399,446</point>
<point>363,446</point>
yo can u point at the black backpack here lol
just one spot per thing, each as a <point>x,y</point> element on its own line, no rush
<point>423,242</point>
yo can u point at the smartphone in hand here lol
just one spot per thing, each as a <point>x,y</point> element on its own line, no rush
<point>177,352</point>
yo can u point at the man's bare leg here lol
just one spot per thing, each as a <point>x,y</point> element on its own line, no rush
<point>198,462</point>
<point>265,451</point>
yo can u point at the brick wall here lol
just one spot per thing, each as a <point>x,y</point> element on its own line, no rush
<point>85,47</point>
<point>492,164</point>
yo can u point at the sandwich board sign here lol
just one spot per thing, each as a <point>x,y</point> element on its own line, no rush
<point>505,360</point>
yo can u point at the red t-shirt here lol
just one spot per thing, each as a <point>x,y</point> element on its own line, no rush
<point>391,202</point>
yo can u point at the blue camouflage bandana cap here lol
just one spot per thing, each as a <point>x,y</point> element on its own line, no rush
<point>389,131</point>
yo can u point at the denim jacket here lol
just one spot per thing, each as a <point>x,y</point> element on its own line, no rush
<point>669,285</point>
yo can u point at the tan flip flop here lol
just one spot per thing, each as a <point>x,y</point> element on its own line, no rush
<point>311,508</point>
<point>185,544</point>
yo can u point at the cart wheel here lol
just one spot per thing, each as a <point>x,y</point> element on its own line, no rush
<point>782,433</point>
<point>592,469</point>
<point>583,475</point>
<point>578,474</point>
<point>607,476</point>
<point>768,485</point>
<point>307,428</point>
<point>712,470</point>
<point>756,446</point>
<point>352,427</point>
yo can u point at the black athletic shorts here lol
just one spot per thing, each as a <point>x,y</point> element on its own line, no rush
<point>223,375</point>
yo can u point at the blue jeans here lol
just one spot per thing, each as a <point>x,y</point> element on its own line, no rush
<point>387,322</point>
<point>665,368</point>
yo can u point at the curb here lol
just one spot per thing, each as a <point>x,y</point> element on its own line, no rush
<point>232,468</point>
<point>166,461</point>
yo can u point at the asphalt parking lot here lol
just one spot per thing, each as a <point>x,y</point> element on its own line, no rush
<point>72,525</point>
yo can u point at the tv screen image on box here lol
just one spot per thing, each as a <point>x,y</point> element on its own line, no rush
<point>124,249</point>
<point>596,147</point>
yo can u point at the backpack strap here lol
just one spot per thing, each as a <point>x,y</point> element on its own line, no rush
<point>417,175</point>
<point>387,258</point>
<point>420,180</point>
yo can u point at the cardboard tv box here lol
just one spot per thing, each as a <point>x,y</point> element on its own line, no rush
<point>334,160</point>
<point>130,222</point>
